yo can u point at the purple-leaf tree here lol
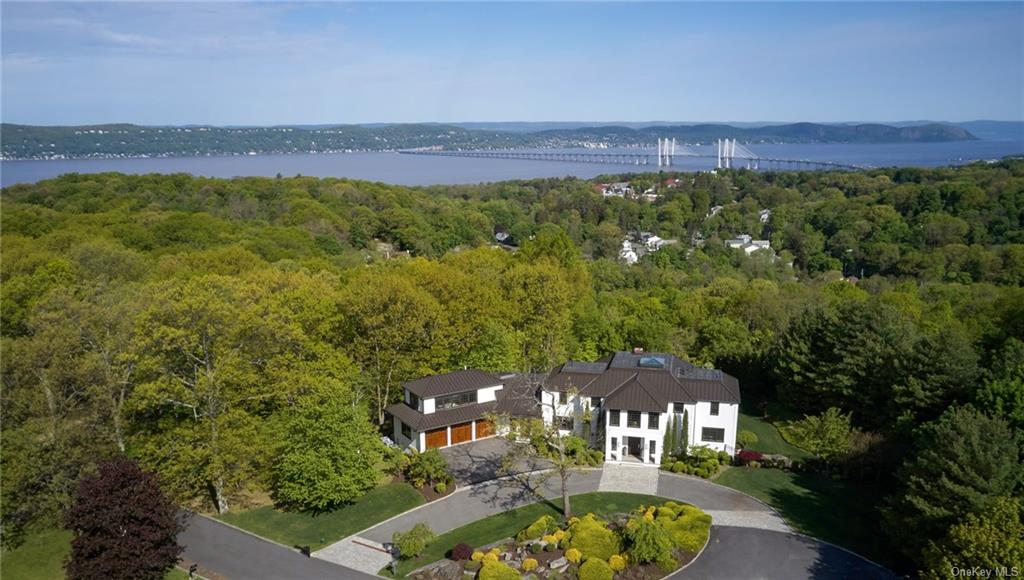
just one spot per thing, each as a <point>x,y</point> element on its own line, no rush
<point>124,526</point>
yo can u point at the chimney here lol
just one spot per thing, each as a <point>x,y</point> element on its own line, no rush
<point>638,350</point>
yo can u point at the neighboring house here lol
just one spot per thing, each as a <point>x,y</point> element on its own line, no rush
<point>747,244</point>
<point>619,189</point>
<point>626,403</point>
<point>627,254</point>
<point>623,404</point>
<point>443,410</point>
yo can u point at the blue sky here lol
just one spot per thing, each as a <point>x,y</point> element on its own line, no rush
<point>277,63</point>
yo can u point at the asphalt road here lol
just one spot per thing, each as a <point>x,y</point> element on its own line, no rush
<point>225,552</point>
<point>747,553</point>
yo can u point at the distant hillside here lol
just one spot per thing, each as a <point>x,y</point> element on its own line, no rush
<point>123,140</point>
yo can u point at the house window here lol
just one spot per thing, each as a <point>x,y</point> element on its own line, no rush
<point>613,418</point>
<point>563,398</point>
<point>653,447</point>
<point>595,402</point>
<point>679,407</point>
<point>456,400</point>
<point>564,423</point>
<point>414,401</point>
<point>652,420</point>
<point>714,408</point>
<point>633,419</point>
<point>615,444</point>
<point>406,431</point>
<point>712,435</point>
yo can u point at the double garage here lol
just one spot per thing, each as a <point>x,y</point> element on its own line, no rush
<point>460,433</point>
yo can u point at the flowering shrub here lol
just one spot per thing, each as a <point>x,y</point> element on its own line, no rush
<point>497,571</point>
<point>592,537</point>
<point>529,564</point>
<point>490,558</point>
<point>542,526</point>
<point>617,563</point>
<point>746,456</point>
<point>477,556</point>
<point>573,555</point>
<point>595,569</point>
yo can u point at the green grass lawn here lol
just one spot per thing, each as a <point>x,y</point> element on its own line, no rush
<point>840,512</point>
<point>768,438</point>
<point>42,557</point>
<point>319,530</point>
<point>508,524</point>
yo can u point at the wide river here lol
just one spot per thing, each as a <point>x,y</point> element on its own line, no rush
<point>429,170</point>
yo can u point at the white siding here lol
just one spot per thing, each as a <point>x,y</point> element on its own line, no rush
<point>727,418</point>
<point>574,407</point>
<point>487,394</point>
<point>401,440</point>
<point>644,432</point>
<point>428,406</point>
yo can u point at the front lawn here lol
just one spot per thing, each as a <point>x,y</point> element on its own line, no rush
<point>508,524</point>
<point>319,530</point>
<point>769,440</point>
<point>840,512</point>
<point>42,557</point>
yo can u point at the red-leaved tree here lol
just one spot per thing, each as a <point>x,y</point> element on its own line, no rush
<point>124,526</point>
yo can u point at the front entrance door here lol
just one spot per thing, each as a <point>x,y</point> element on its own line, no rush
<point>635,447</point>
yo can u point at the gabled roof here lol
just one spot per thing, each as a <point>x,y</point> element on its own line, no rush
<point>643,379</point>
<point>451,383</point>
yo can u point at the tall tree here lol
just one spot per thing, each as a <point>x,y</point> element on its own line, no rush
<point>991,540</point>
<point>331,453</point>
<point>963,461</point>
<point>391,327</point>
<point>212,355</point>
<point>124,526</point>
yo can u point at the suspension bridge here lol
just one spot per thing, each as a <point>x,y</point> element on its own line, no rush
<point>728,153</point>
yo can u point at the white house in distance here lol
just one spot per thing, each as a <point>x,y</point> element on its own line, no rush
<point>627,401</point>
<point>748,244</point>
<point>622,404</point>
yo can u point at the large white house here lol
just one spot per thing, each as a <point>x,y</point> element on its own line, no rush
<point>627,402</point>
<point>624,404</point>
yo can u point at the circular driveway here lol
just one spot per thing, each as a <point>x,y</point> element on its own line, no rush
<point>748,539</point>
<point>734,553</point>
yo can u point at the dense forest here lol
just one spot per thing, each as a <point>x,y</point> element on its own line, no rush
<point>124,140</point>
<point>187,321</point>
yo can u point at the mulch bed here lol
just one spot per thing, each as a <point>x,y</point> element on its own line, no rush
<point>427,491</point>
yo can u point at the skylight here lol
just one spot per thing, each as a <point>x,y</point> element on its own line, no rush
<point>652,362</point>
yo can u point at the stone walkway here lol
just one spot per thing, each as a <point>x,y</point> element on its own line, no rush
<point>629,479</point>
<point>357,553</point>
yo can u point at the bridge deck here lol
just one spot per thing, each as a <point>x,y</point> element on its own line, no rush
<point>623,158</point>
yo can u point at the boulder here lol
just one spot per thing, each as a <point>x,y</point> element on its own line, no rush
<point>559,564</point>
<point>447,571</point>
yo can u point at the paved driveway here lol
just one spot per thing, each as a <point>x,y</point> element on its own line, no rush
<point>226,552</point>
<point>751,553</point>
<point>479,461</point>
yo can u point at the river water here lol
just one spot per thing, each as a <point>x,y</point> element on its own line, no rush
<point>429,170</point>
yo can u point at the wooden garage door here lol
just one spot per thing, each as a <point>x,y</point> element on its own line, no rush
<point>437,438</point>
<point>484,429</point>
<point>462,433</point>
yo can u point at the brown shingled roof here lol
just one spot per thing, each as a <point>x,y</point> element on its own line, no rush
<point>420,422</point>
<point>451,383</point>
<point>659,377</point>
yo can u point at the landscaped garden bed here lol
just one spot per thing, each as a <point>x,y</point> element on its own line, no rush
<point>645,542</point>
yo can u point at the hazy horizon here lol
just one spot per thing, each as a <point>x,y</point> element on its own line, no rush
<point>264,64</point>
